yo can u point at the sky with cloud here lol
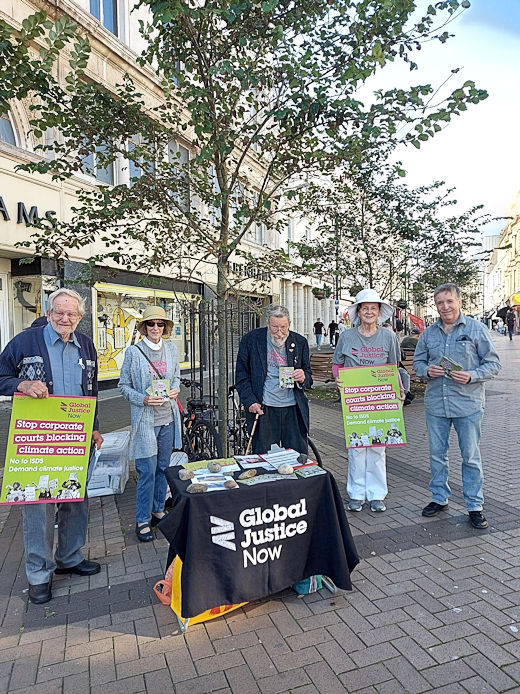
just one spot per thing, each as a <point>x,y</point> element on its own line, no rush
<point>479,152</point>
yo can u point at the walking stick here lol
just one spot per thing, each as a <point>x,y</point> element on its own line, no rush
<point>252,433</point>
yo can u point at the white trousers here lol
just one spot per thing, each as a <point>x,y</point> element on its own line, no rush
<point>366,478</point>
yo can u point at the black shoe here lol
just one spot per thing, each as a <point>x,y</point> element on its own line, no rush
<point>143,532</point>
<point>40,593</point>
<point>433,509</point>
<point>155,521</point>
<point>478,520</point>
<point>84,568</point>
<point>409,397</point>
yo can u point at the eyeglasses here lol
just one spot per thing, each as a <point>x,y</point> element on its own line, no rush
<point>59,315</point>
<point>151,323</point>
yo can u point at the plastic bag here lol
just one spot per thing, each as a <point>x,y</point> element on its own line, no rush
<point>163,588</point>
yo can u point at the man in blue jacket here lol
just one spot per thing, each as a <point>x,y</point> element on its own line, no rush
<point>273,370</point>
<point>42,361</point>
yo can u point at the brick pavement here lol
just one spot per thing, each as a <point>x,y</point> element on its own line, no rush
<point>435,604</point>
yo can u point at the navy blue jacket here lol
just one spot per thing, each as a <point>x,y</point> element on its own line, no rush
<point>26,358</point>
<point>251,370</point>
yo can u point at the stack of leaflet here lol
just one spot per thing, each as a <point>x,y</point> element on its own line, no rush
<point>111,466</point>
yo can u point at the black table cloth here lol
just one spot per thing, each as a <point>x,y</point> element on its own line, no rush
<point>243,544</point>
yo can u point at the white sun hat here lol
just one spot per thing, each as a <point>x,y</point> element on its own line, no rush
<point>372,297</point>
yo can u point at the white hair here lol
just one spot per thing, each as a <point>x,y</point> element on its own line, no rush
<point>72,294</point>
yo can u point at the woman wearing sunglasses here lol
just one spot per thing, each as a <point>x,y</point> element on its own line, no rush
<point>150,382</point>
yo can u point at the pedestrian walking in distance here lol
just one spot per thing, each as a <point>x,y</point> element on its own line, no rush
<point>318,329</point>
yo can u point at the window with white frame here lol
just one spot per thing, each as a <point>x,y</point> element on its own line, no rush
<point>92,166</point>
<point>7,133</point>
<point>256,231</point>
<point>138,163</point>
<point>290,232</point>
<point>179,158</point>
<point>106,12</point>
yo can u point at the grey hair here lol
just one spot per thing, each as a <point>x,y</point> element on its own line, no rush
<point>277,311</point>
<point>67,292</point>
<point>448,287</point>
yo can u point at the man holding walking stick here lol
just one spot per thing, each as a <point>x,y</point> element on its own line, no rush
<point>272,372</point>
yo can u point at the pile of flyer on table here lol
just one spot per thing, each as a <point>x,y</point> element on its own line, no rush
<point>111,466</point>
<point>262,468</point>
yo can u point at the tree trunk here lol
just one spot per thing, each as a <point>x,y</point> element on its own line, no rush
<point>222,331</point>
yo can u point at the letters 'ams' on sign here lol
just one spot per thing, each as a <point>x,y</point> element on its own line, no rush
<point>26,217</point>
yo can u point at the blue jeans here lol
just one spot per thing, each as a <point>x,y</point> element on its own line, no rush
<point>468,432</point>
<point>319,338</point>
<point>151,482</point>
<point>38,538</point>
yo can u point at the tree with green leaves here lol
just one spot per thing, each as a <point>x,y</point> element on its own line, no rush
<point>266,93</point>
<point>371,230</point>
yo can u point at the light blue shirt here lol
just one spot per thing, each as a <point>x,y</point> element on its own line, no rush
<point>274,396</point>
<point>468,344</point>
<point>66,364</point>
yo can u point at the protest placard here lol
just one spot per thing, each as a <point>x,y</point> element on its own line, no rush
<point>48,449</point>
<point>372,411</point>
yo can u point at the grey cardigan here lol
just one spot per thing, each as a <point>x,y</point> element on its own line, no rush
<point>134,380</point>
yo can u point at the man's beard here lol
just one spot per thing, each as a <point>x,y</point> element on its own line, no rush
<point>279,341</point>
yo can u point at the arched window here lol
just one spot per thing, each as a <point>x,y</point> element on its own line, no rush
<point>6,130</point>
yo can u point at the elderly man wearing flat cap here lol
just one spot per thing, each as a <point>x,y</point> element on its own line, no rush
<point>156,421</point>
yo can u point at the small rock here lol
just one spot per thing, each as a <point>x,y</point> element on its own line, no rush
<point>185,475</point>
<point>197,488</point>
<point>247,474</point>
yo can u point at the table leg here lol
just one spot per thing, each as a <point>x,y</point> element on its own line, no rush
<point>183,624</point>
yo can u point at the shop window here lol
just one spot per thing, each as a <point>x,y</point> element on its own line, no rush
<point>92,166</point>
<point>30,296</point>
<point>106,12</point>
<point>116,312</point>
<point>7,130</point>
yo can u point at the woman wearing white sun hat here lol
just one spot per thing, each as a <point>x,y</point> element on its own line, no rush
<point>367,344</point>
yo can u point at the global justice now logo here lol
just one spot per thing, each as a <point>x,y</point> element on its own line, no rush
<point>258,527</point>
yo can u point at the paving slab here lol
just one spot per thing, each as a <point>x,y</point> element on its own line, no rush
<point>435,605</point>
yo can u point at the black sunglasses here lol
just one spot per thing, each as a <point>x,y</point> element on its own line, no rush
<point>151,323</point>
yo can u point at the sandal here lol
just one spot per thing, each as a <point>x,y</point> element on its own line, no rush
<point>143,532</point>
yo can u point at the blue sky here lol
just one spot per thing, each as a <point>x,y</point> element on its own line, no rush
<point>479,152</point>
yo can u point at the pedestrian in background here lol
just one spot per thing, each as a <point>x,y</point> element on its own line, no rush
<point>409,342</point>
<point>455,397</point>
<point>318,329</point>
<point>510,322</point>
<point>54,359</point>
<point>156,421</point>
<point>333,329</point>
<point>367,344</point>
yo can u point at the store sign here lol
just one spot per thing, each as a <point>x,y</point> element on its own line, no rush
<point>27,217</point>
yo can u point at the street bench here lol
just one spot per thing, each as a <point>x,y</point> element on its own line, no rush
<point>407,364</point>
<point>321,366</point>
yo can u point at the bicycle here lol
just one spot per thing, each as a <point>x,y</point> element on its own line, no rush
<point>200,439</point>
<point>238,434</point>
